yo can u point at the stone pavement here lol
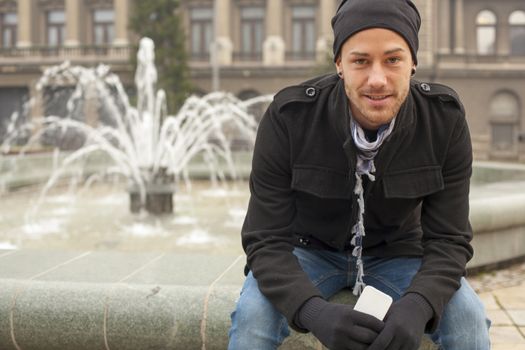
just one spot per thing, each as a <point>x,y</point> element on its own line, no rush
<point>503,294</point>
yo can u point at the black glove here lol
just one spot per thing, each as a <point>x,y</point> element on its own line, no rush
<point>338,326</point>
<point>404,324</point>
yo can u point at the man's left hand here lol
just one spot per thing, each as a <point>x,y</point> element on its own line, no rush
<point>404,324</point>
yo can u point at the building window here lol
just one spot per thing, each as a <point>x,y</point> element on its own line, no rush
<point>8,23</point>
<point>252,32</point>
<point>502,136</point>
<point>517,33</point>
<point>504,120</point>
<point>303,32</point>
<point>103,26</point>
<point>486,32</point>
<point>56,24</point>
<point>13,113</point>
<point>201,32</point>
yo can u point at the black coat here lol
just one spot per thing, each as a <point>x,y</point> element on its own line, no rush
<point>302,184</point>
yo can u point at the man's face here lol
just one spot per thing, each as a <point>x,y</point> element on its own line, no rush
<point>376,65</point>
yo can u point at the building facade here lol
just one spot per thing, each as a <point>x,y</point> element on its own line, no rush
<point>253,47</point>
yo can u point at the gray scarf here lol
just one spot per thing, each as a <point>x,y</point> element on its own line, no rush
<point>366,152</point>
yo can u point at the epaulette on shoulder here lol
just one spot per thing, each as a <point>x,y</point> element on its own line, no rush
<point>306,92</point>
<point>440,91</point>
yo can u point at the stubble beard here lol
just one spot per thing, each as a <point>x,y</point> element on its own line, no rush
<point>376,116</point>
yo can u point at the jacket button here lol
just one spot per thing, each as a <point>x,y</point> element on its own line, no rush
<point>425,87</point>
<point>310,92</point>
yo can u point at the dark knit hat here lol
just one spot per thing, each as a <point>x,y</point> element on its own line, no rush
<point>353,16</point>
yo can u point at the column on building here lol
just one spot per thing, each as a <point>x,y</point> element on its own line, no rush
<point>121,22</point>
<point>223,35</point>
<point>460,28</point>
<point>502,36</point>
<point>73,22</point>
<point>427,39</point>
<point>273,47</point>
<point>443,27</point>
<point>325,37</point>
<point>25,22</point>
<point>25,16</point>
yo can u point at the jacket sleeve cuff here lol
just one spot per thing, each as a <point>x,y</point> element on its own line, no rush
<point>428,311</point>
<point>307,313</point>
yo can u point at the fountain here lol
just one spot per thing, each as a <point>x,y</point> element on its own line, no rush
<point>153,152</point>
<point>144,144</point>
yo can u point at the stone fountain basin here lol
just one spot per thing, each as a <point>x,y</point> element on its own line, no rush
<point>497,204</point>
<point>109,300</point>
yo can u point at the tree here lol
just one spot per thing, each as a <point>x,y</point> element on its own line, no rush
<point>160,21</point>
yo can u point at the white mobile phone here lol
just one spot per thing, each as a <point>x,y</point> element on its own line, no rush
<point>373,302</point>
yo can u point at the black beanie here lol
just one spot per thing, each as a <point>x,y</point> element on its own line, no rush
<point>401,16</point>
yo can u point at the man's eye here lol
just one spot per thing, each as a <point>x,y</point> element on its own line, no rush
<point>393,59</point>
<point>360,61</point>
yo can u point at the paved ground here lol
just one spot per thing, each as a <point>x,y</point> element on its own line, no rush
<point>503,293</point>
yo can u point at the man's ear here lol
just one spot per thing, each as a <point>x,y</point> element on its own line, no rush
<point>338,66</point>
<point>413,70</point>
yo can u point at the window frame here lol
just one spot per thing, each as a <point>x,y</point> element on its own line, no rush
<point>300,24</point>
<point>107,27</point>
<point>251,26</point>
<point>60,28</point>
<point>481,26</point>
<point>202,25</point>
<point>9,29</point>
<point>512,28</point>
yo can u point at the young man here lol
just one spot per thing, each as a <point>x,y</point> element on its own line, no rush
<point>362,178</point>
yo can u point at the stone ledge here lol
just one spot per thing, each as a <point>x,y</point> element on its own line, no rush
<point>114,300</point>
<point>63,315</point>
<point>497,222</point>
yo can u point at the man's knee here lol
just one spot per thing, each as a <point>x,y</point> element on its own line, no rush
<point>465,305</point>
<point>255,320</point>
<point>252,310</point>
<point>464,324</point>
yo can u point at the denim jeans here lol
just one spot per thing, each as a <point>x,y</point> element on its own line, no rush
<point>257,325</point>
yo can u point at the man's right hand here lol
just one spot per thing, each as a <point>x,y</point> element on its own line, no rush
<point>338,326</point>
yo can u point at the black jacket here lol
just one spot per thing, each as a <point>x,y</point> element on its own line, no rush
<point>302,184</point>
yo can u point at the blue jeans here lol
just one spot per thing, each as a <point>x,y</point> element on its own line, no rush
<point>257,325</point>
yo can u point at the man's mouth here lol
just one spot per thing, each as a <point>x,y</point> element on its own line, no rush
<point>377,97</point>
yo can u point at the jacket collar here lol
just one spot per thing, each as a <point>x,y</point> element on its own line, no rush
<point>339,115</point>
<point>339,112</point>
<point>407,113</point>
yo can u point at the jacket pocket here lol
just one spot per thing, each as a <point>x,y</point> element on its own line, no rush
<point>321,182</point>
<point>413,183</point>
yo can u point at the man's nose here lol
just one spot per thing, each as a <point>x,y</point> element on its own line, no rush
<point>377,76</point>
